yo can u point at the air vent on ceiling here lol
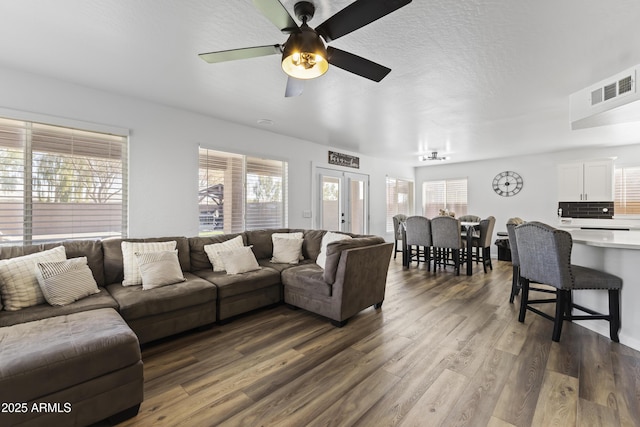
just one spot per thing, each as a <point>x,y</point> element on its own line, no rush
<point>607,102</point>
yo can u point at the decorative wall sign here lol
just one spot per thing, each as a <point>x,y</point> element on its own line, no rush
<point>344,160</point>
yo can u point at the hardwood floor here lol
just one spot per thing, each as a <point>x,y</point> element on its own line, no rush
<point>443,350</point>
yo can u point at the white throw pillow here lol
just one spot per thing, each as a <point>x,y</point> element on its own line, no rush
<point>239,260</point>
<point>130,262</point>
<point>213,251</point>
<point>159,269</point>
<point>286,250</point>
<point>294,235</point>
<point>326,239</point>
<point>64,282</point>
<point>18,283</point>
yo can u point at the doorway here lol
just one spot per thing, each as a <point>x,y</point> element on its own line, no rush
<point>343,201</point>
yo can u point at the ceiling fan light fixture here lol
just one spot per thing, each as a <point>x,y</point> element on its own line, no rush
<point>432,156</point>
<point>304,55</point>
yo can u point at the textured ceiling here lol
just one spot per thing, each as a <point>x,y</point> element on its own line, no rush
<point>470,79</point>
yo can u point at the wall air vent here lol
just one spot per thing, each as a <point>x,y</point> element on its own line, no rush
<point>608,102</point>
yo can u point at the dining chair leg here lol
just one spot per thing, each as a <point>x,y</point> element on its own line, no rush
<point>524,298</point>
<point>456,261</point>
<point>515,283</point>
<point>427,256</point>
<point>614,314</point>
<point>561,301</point>
<point>395,250</point>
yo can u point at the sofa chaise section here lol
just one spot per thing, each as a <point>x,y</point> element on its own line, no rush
<point>86,366</point>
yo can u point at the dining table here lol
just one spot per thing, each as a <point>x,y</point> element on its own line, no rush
<point>465,226</point>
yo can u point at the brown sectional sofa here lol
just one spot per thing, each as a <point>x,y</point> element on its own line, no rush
<point>88,351</point>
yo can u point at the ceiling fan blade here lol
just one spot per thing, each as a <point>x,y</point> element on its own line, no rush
<point>277,13</point>
<point>244,53</point>
<point>357,15</point>
<point>356,64</point>
<point>294,87</point>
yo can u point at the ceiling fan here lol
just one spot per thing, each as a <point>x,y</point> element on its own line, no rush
<point>305,54</point>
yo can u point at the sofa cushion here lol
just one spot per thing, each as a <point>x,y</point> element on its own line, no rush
<point>18,283</point>
<point>66,281</point>
<point>42,311</point>
<point>312,243</point>
<point>308,277</point>
<point>282,267</point>
<point>235,284</point>
<point>215,250</point>
<point>159,269</point>
<point>334,252</point>
<point>92,249</point>
<point>63,351</point>
<point>113,263</point>
<point>136,303</point>
<point>199,258</point>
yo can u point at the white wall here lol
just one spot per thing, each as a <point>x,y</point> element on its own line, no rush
<point>163,158</point>
<point>538,199</point>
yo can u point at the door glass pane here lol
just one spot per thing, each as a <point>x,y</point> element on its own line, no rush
<point>358,211</point>
<point>331,209</point>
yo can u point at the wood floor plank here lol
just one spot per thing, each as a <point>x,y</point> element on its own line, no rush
<point>517,402</point>
<point>444,349</point>
<point>590,414</point>
<point>558,401</point>
<point>434,405</point>
<point>348,409</point>
<point>476,403</point>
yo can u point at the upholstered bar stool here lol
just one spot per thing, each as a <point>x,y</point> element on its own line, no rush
<point>446,235</point>
<point>419,235</point>
<point>545,257</point>
<point>397,231</point>
<point>482,243</point>
<point>512,223</point>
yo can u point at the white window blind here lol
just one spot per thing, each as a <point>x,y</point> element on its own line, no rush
<point>238,193</point>
<point>627,191</point>
<point>449,195</point>
<point>399,199</point>
<point>60,183</point>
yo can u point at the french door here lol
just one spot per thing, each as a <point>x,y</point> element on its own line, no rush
<point>343,201</point>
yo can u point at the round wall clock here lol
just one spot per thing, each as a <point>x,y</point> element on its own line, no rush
<point>507,183</point>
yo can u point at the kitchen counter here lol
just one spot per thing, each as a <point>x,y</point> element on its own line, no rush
<point>616,252</point>
<point>607,238</point>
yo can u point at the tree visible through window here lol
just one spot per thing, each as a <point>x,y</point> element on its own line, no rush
<point>58,182</point>
<point>240,193</point>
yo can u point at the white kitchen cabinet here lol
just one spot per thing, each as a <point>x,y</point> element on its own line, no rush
<point>586,181</point>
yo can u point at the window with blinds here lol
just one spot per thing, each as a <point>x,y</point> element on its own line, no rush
<point>60,183</point>
<point>449,195</point>
<point>238,193</point>
<point>399,199</point>
<point>627,191</point>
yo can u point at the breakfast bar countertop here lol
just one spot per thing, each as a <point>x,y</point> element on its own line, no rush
<point>621,239</point>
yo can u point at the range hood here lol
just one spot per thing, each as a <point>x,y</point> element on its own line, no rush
<point>610,101</point>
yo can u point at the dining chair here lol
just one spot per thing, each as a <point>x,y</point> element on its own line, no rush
<point>397,221</point>
<point>418,234</point>
<point>512,223</point>
<point>545,257</point>
<point>482,242</point>
<point>446,238</point>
